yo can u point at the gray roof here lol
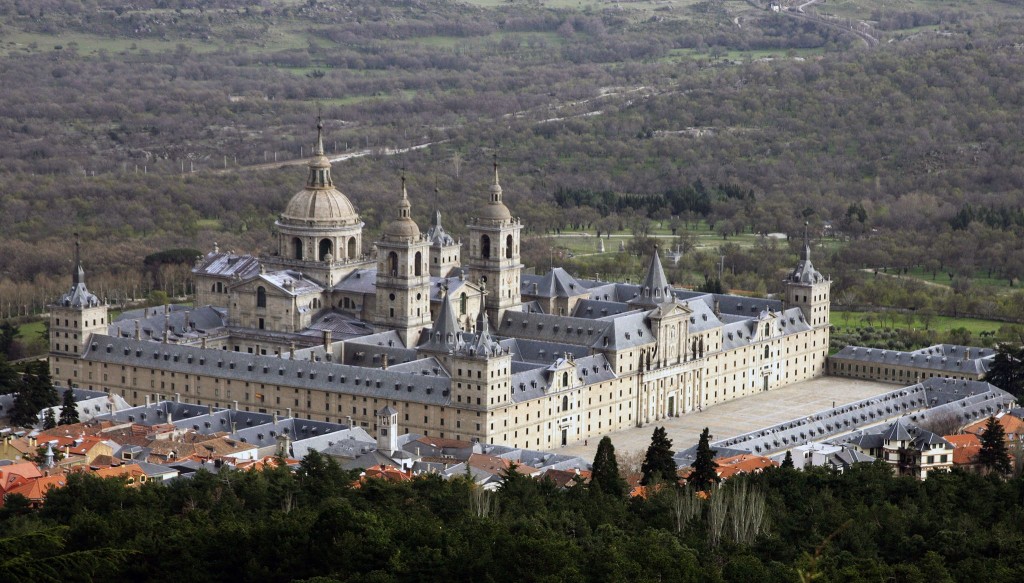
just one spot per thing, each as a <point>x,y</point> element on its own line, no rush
<point>79,296</point>
<point>655,288</point>
<point>341,325</point>
<point>361,281</point>
<point>445,335</point>
<point>556,283</point>
<point>532,382</point>
<point>291,282</point>
<point>613,332</point>
<point>182,323</point>
<point>805,272</point>
<point>227,265</point>
<point>342,378</point>
<point>437,236</point>
<point>949,358</point>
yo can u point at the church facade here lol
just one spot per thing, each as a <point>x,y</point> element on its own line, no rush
<point>463,346</point>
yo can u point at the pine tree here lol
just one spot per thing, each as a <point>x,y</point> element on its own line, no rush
<point>35,393</point>
<point>69,410</point>
<point>658,463</point>
<point>605,476</point>
<point>704,465</point>
<point>993,455</point>
<point>49,419</point>
<point>1007,369</point>
<point>787,462</point>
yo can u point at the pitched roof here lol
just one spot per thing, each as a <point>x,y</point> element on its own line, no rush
<point>35,489</point>
<point>742,464</point>
<point>965,448</point>
<point>655,288</point>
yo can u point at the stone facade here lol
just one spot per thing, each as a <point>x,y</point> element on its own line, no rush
<point>483,353</point>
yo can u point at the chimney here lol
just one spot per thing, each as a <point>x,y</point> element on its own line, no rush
<point>384,361</point>
<point>67,451</point>
<point>203,343</point>
<point>718,308</point>
<point>209,409</point>
<point>348,418</point>
<point>177,397</point>
<point>167,309</point>
<point>275,417</point>
<point>292,351</point>
<point>147,400</point>
<point>234,427</point>
<point>188,320</point>
<point>234,405</point>
<point>327,340</point>
<point>289,411</point>
<point>138,330</point>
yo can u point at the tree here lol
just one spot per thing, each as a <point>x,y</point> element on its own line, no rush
<point>704,465</point>
<point>994,455</point>
<point>787,462</point>
<point>69,410</point>
<point>36,393</point>
<point>605,476</point>
<point>49,419</point>
<point>9,379</point>
<point>1007,369</point>
<point>658,463</point>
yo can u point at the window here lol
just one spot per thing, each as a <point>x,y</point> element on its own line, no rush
<point>462,304</point>
<point>297,248</point>
<point>392,267</point>
<point>261,297</point>
<point>485,247</point>
<point>418,267</point>
<point>508,247</point>
<point>326,249</point>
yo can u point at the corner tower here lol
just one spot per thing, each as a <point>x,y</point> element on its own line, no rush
<point>403,280</point>
<point>73,319</point>
<point>319,233</point>
<point>494,253</point>
<point>808,290</point>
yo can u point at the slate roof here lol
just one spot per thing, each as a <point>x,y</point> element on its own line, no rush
<point>655,288</point>
<point>341,325</point>
<point>941,357</point>
<point>445,335</point>
<point>556,283</point>
<point>182,323</point>
<point>532,382</point>
<point>227,265</point>
<point>437,236</point>
<point>291,282</point>
<point>333,377</point>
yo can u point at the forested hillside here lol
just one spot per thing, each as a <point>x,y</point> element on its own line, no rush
<point>272,526</point>
<point>156,125</point>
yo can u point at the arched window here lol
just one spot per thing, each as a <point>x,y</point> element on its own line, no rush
<point>508,247</point>
<point>213,288</point>
<point>351,248</point>
<point>565,403</point>
<point>418,269</point>
<point>261,297</point>
<point>485,247</point>
<point>767,352</point>
<point>565,383</point>
<point>462,304</point>
<point>392,263</point>
<point>297,248</point>
<point>326,247</point>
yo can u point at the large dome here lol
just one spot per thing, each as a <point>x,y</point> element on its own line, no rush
<point>403,227</point>
<point>316,205</point>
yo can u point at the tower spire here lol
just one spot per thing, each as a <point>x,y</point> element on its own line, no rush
<point>78,274</point>
<point>496,187</point>
<point>318,150</point>
<point>807,245</point>
<point>319,165</point>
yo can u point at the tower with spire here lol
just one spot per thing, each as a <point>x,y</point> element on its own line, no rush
<point>73,319</point>
<point>494,253</point>
<point>445,251</point>
<point>403,279</point>
<point>808,290</point>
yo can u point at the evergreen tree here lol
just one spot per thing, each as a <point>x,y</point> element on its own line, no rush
<point>49,419</point>
<point>35,393</point>
<point>10,381</point>
<point>1007,369</point>
<point>993,455</point>
<point>658,463</point>
<point>704,465</point>
<point>69,410</point>
<point>787,462</point>
<point>605,475</point>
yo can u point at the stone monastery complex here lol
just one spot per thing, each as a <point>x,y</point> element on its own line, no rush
<point>419,336</point>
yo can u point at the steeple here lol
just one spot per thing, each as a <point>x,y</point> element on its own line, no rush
<point>655,288</point>
<point>485,344</point>
<point>404,207</point>
<point>319,165</point>
<point>496,187</point>
<point>403,227</point>
<point>806,252</point>
<point>445,335</point>
<point>78,274</point>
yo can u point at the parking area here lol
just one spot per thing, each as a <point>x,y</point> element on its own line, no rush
<point>742,415</point>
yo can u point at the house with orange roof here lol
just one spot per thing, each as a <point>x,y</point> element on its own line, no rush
<point>965,450</point>
<point>388,473</point>
<point>134,475</point>
<point>35,489</point>
<point>13,474</point>
<point>742,464</point>
<point>567,478</point>
<point>1013,426</point>
<point>18,448</point>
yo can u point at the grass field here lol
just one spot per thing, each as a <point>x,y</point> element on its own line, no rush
<point>846,321</point>
<point>942,277</point>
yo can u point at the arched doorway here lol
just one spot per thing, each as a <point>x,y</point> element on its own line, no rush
<point>392,265</point>
<point>297,248</point>
<point>485,247</point>
<point>326,248</point>
<point>508,247</point>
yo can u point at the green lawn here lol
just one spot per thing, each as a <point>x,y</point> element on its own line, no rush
<point>844,321</point>
<point>942,277</point>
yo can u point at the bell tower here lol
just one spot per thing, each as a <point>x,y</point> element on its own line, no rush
<point>808,290</point>
<point>403,277</point>
<point>494,253</point>
<point>73,319</point>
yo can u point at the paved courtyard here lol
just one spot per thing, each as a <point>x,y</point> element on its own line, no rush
<point>742,415</point>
